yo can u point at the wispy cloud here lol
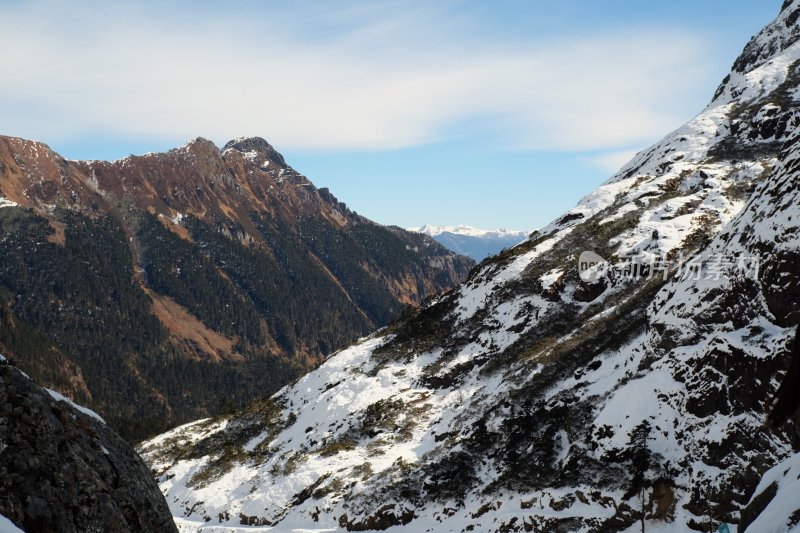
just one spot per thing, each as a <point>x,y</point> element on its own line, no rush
<point>387,75</point>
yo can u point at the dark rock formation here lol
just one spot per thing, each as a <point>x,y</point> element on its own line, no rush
<point>787,399</point>
<point>63,470</point>
<point>259,145</point>
<point>757,506</point>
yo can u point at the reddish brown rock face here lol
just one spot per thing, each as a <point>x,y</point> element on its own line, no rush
<point>35,176</point>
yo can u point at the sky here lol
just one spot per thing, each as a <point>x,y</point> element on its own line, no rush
<point>491,114</point>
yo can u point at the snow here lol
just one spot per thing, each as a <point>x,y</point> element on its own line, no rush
<point>61,398</point>
<point>252,155</point>
<point>5,202</point>
<point>548,278</point>
<point>637,401</point>
<point>474,296</point>
<point>659,375</point>
<point>776,517</point>
<point>469,231</point>
<point>7,526</point>
<point>189,526</point>
<point>762,80</point>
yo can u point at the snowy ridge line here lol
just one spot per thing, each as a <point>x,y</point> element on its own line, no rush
<point>463,229</point>
<point>61,398</point>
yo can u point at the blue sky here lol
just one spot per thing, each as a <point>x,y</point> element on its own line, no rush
<point>493,114</point>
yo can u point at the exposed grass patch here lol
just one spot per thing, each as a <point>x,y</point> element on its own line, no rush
<point>343,444</point>
<point>225,448</point>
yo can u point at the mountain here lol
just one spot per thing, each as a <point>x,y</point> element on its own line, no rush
<point>774,506</point>
<point>473,242</point>
<point>161,288</point>
<point>556,390</point>
<point>64,470</point>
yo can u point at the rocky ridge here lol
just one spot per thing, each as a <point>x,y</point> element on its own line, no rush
<point>165,287</point>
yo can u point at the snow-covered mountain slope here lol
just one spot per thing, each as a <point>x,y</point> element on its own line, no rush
<point>555,391</point>
<point>473,242</point>
<point>775,506</point>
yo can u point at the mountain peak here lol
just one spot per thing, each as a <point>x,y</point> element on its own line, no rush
<point>772,41</point>
<point>472,242</point>
<point>258,145</point>
<point>200,142</point>
<point>199,146</point>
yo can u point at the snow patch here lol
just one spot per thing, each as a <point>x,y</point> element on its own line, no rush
<point>61,398</point>
<point>7,526</point>
<point>5,202</point>
<point>777,516</point>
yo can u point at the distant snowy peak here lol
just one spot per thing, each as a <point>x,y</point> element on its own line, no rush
<point>469,231</point>
<point>473,242</point>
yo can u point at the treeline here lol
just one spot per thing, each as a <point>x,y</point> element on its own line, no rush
<point>75,312</point>
<point>176,268</point>
<point>302,304</point>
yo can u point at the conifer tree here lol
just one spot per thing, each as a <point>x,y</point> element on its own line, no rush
<point>640,461</point>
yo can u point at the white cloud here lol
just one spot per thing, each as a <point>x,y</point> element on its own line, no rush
<point>389,76</point>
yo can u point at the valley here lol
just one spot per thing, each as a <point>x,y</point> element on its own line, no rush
<point>201,340</point>
<point>529,399</point>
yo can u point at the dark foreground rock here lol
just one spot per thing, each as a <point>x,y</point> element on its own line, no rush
<point>63,470</point>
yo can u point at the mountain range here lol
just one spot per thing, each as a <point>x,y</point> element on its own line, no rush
<point>473,242</point>
<point>161,288</point>
<point>610,373</point>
